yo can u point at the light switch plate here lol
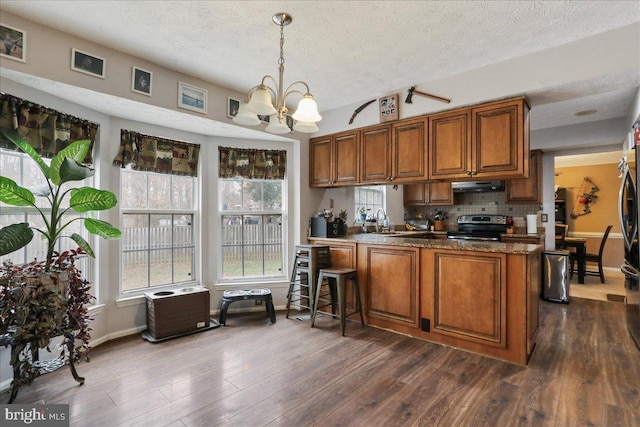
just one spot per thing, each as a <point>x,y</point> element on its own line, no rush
<point>544,217</point>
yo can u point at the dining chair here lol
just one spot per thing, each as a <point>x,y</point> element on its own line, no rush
<point>594,257</point>
<point>562,230</point>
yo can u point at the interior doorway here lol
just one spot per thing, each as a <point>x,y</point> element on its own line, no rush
<point>586,197</point>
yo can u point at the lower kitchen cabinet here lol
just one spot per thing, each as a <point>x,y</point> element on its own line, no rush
<point>391,282</point>
<point>482,302</point>
<point>468,299</point>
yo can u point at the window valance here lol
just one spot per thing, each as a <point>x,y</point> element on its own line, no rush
<point>252,164</point>
<point>156,154</point>
<point>48,130</point>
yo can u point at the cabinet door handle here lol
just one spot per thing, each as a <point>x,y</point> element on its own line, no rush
<point>469,173</point>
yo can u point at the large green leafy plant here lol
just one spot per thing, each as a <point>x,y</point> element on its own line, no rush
<point>47,298</point>
<point>65,167</point>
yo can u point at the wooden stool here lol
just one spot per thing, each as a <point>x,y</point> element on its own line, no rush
<point>340,276</point>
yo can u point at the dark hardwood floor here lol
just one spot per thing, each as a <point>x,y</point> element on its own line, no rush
<point>584,371</point>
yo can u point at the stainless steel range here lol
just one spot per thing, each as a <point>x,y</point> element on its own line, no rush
<point>479,227</point>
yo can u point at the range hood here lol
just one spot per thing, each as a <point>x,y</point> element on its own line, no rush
<point>477,186</point>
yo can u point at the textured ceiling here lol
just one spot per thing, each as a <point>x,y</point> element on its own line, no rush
<point>352,51</point>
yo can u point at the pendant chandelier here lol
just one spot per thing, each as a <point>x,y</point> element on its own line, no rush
<point>259,100</point>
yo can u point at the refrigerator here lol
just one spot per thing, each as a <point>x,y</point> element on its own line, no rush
<point>629,216</point>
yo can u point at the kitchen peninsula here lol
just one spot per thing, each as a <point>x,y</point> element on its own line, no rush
<point>477,296</point>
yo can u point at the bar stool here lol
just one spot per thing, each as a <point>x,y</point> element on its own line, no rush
<point>339,276</point>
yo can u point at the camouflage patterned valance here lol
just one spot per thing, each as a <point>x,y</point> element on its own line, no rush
<point>48,130</point>
<point>252,164</point>
<point>156,154</point>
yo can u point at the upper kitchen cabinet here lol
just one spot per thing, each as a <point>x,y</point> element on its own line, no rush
<point>394,153</point>
<point>483,142</point>
<point>433,193</point>
<point>450,144</point>
<point>409,151</point>
<point>500,131</point>
<point>527,190</point>
<point>375,149</point>
<point>334,159</point>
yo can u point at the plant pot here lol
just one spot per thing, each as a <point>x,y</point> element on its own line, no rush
<point>438,225</point>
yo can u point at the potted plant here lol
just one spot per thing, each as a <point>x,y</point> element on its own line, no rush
<point>363,214</point>
<point>48,298</point>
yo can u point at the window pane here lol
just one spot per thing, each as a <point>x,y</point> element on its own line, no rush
<point>10,167</point>
<point>273,229</point>
<point>232,261</point>
<point>135,268</point>
<point>160,236</point>
<point>230,195</point>
<point>182,188</point>
<point>273,196</point>
<point>252,195</point>
<point>135,232</point>
<point>272,260</point>
<point>183,265</point>
<point>253,261</point>
<point>133,192</point>
<point>231,233</point>
<point>252,233</point>
<point>159,191</point>
<point>182,231</point>
<point>161,267</point>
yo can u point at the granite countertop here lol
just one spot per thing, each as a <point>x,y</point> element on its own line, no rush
<point>416,239</point>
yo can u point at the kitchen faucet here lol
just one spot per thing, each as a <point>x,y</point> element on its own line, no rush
<point>378,219</point>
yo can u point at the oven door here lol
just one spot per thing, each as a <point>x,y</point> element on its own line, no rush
<point>627,205</point>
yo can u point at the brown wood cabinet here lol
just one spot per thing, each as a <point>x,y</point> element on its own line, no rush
<point>470,283</point>
<point>375,149</point>
<point>394,153</point>
<point>409,151</point>
<point>487,141</point>
<point>432,193</point>
<point>390,274</point>
<point>334,160</point>
<point>482,302</point>
<point>343,255</point>
<point>450,144</point>
<point>527,190</point>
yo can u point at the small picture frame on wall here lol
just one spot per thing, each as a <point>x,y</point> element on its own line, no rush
<point>141,81</point>
<point>87,63</point>
<point>389,108</point>
<point>192,98</point>
<point>233,105</point>
<point>13,43</point>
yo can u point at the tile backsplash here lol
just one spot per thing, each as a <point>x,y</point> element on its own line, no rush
<point>474,203</point>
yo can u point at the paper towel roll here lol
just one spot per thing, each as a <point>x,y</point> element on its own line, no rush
<point>532,224</point>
